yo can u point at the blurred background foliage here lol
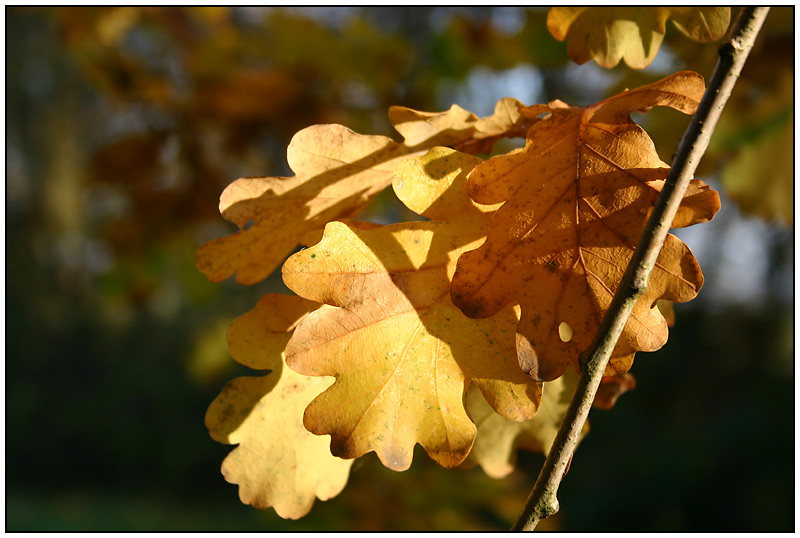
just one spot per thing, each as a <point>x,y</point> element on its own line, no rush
<point>124,124</point>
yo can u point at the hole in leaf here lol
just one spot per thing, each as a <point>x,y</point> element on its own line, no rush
<point>565,332</point>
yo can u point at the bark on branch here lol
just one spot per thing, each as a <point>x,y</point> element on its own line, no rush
<point>543,501</point>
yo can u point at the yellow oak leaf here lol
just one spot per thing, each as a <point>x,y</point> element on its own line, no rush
<point>576,200</point>
<point>278,462</point>
<point>498,439</point>
<point>402,354</point>
<point>633,34</point>
<point>338,172</point>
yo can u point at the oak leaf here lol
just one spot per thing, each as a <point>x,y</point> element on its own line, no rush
<point>402,354</point>
<point>498,439</point>
<point>278,462</point>
<point>634,34</point>
<point>338,172</point>
<point>576,200</point>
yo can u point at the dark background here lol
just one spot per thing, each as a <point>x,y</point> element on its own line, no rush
<point>125,124</point>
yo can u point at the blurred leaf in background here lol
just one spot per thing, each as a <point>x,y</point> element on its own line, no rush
<point>124,125</point>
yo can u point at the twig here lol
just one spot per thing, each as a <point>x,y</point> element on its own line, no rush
<point>542,501</point>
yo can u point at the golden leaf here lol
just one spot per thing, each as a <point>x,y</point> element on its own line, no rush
<point>278,462</point>
<point>402,354</point>
<point>338,173</point>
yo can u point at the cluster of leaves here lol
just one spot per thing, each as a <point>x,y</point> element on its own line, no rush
<point>204,49</point>
<point>461,332</point>
<point>199,76</point>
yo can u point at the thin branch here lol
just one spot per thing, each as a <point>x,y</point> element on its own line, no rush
<point>542,501</point>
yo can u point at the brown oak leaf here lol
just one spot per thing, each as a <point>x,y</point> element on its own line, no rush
<point>576,200</point>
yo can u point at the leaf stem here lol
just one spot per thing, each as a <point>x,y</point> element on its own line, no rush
<point>542,501</point>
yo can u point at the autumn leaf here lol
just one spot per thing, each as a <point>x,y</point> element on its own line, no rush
<point>577,198</point>
<point>278,462</point>
<point>403,356</point>
<point>338,172</point>
<point>634,34</point>
<point>498,439</point>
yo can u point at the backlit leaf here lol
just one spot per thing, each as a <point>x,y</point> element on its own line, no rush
<point>577,198</point>
<point>338,172</point>
<point>278,462</point>
<point>402,354</point>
